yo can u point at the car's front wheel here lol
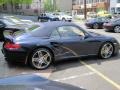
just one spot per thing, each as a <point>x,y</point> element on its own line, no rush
<point>117,29</point>
<point>106,50</point>
<point>41,59</point>
<point>95,26</point>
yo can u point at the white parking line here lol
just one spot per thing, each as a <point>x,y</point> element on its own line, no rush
<point>75,76</point>
<point>107,79</point>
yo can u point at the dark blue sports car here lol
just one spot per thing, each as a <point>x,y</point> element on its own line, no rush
<point>42,44</point>
<point>96,23</point>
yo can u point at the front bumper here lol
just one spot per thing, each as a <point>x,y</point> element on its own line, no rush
<point>88,25</point>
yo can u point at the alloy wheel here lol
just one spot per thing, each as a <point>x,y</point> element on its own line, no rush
<point>106,50</point>
<point>41,59</point>
<point>117,29</point>
<point>96,26</point>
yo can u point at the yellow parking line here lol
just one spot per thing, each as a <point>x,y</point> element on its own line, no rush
<point>101,75</point>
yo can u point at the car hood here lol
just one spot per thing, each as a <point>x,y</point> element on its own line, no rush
<point>67,16</point>
<point>33,82</point>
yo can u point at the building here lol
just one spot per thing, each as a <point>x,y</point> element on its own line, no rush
<point>26,9</point>
<point>92,5</point>
<point>115,6</point>
<point>64,5</point>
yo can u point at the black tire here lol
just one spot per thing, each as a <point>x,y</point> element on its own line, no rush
<point>110,54</point>
<point>95,26</point>
<point>63,19</point>
<point>117,29</point>
<point>32,64</point>
<point>39,20</point>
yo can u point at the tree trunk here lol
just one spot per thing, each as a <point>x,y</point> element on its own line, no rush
<point>12,7</point>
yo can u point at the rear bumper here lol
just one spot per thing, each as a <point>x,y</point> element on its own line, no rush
<point>108,28</point>
<point>15,56</point>
<point>88,25</point>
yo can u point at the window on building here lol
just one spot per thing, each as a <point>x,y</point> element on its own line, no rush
<point>4,7</point>
<point>18,6</point>
<point>118,1</point>
<point>28,6</point>
<point>118,10</point>
<point>113,10</point>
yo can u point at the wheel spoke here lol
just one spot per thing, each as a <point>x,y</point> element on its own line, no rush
<point>35,59</point>
<point>40,54</point>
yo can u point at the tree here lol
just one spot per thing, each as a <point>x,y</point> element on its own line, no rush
<point>50,5</point>
<point>13,2</point>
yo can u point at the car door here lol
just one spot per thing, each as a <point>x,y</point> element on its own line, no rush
<point>73,42</point>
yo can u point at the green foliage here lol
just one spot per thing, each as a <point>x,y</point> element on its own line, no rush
<point>49,6</point>
<point>15,1</point>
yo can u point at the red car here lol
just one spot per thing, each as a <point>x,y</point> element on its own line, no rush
<point>113,25</point>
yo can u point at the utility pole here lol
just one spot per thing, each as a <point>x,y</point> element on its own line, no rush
<point>85,10</point>
<point>40,2</point>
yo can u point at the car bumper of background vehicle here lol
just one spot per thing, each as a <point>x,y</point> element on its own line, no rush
<point>15,56</point>
<point>108,28</point>
<point>88,25</point>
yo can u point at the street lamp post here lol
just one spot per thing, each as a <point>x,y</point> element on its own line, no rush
<point>85,10</point>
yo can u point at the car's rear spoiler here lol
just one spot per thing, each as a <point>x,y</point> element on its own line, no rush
<point>8,38</point>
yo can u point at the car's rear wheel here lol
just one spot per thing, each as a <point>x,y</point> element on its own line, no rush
<point>39,20</point>
<point>117,29</point>
<point>106,50</point>
<point>95,26</point>
<point>63,19</point>
<point>41,59</point>
<point>49,20</point>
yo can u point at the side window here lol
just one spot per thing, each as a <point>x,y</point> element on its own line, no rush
<point>70,31</point>
<point>55,34</point>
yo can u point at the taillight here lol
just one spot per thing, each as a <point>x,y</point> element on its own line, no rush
<point>12,46</point>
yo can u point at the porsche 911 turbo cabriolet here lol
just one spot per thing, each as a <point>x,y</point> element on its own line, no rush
<point>50,41</point>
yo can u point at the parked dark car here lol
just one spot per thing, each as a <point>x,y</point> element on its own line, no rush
<point>96,23</point>
<point>33,82</point>
<point>47,17</point>
<point>113,25</point>
<point>52,41</point>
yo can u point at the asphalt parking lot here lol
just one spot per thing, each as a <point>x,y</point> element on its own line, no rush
<point>89,73</point>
